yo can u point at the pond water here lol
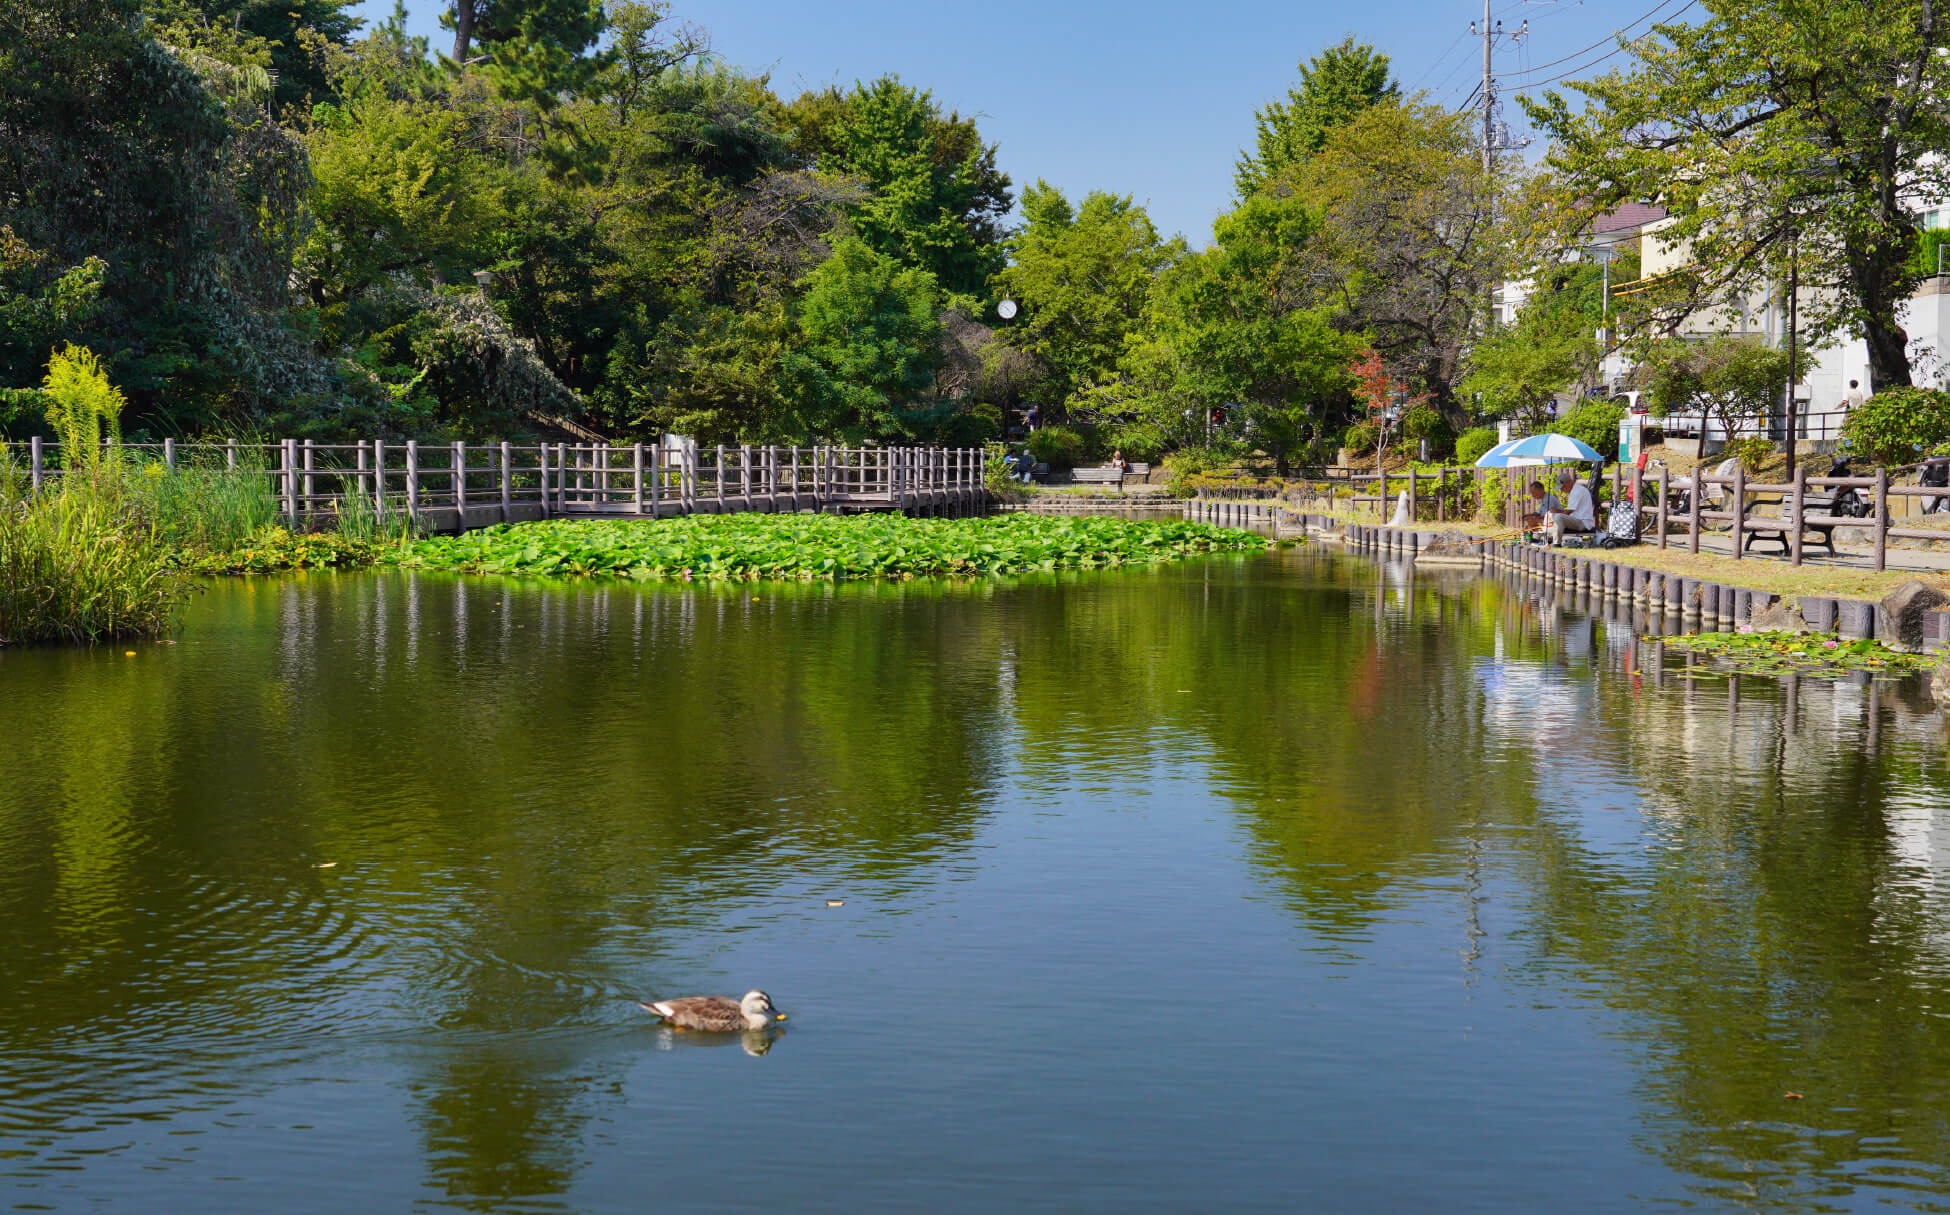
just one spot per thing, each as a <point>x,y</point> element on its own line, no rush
<point>1280,881</point>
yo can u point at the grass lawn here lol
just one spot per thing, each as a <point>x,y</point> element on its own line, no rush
<point>1777,577</point>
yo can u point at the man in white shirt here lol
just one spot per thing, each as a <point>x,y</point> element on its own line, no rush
<point>1580,513</point>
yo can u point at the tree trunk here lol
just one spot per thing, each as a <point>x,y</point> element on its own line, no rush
<point>1888,351</point>
<point>463,28</point>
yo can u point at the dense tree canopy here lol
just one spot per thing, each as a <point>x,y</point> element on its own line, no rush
<point>1773,126</point>
<point>1081,275</point>
<point>1335,87</point>
<point>267,217</point>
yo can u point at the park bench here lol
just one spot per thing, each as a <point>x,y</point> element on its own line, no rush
<point>1108,476</point>
<point>1777,528</point>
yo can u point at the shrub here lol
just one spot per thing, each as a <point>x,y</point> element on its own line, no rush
<point>1427,422</point>
<point>1473,443</point>
<point>1360,438</point>
<point>83,408</point>
<point>1595,423</point>
<point>1496,492</point>
<point>1899,424</point>
<point>996,474</point>
<point>1185,469</point>
<point>1753,454</point>
<point>1056,446</point>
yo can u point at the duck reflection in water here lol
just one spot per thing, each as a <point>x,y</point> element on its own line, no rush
<point>754,1042</point>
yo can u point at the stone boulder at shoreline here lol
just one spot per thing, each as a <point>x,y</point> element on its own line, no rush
<point>1776,618</point>
<point>1901,617</point>
<point>1451,548</point>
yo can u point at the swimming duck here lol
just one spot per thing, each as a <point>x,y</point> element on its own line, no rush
<point>718,1014</point>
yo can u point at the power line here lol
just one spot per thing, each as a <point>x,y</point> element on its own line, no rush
<point>1611,37</point>
<point>1439,61</point>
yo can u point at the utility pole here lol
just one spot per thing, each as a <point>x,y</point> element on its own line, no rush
<point>1489,91</point>
<point>1493,140</point>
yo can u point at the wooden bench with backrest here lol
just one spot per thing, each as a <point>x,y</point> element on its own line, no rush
<point>1109,476</point>
<point>1777,528</point>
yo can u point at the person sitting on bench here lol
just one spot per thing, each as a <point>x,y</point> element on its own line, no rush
<point>1579,513</point>
<point>1545,501</point>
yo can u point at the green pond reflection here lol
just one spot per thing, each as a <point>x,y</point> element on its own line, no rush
<point>1282,881</point>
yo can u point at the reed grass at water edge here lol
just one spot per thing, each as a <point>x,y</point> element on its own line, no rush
<point>76,566</point>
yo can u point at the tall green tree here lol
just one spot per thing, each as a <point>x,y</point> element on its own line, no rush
<point>870,330</point>
<point>1082,276</point>
<point>1774,129</point>
<point>113,146</point>
<point>295,37</point>
<point>1237,328</point>
<point>1733,380</point>
<point>1516,371</point>
<point>1335,86</point>
<point>936,199</point>
<point>1410,241</point>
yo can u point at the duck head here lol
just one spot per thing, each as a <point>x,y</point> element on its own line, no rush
<point>758,1009</point>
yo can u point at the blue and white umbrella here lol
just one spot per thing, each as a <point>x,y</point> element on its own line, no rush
<point>1539,449</point>
<point>1493,458</point>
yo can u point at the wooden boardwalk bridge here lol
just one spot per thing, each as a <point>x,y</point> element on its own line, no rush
<point>460,486</point>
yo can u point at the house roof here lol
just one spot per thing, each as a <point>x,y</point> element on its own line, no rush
<point>1627,219</point>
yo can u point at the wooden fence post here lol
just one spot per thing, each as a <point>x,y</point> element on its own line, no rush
<point>36,462</point>
<point>169,454</point>
<point>1739,511</point>
<point>636,469</point>
<point>1665,476</point>
<point>230,454</point>
<point>1797,500</point>
<point>413,480</point>
<point>306,503</point>
<point>360,454</point>
<point>288,457</point>
<point>1882,519</point>
<point>460,485</point>
<point>507,479</point>
<point>379,478</point>
<point>1413,477</point>
<point>1699,495</point>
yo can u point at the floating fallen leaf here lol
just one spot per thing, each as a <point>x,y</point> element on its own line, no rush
<point>1792,1096</point>
<point>128,653</point>
<point>325,865</point>
<point>836,902</point>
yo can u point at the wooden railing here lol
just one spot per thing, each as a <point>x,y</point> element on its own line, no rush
<point>1885,503</point>
<point>492,482</point>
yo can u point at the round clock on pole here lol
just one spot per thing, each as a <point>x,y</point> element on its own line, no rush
<point>1006,310</point>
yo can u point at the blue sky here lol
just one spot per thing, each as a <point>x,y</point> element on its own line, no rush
<point>1142,97</point>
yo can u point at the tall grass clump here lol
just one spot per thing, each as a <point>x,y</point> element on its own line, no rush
<point>357,519</point>
<point>201,506</point>
<point>76,563</point>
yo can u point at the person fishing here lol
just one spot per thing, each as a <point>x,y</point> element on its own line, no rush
<point>1544,503</point>
<point>1579,513</point>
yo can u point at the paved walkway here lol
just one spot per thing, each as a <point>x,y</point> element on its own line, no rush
<point>1849,556</point>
